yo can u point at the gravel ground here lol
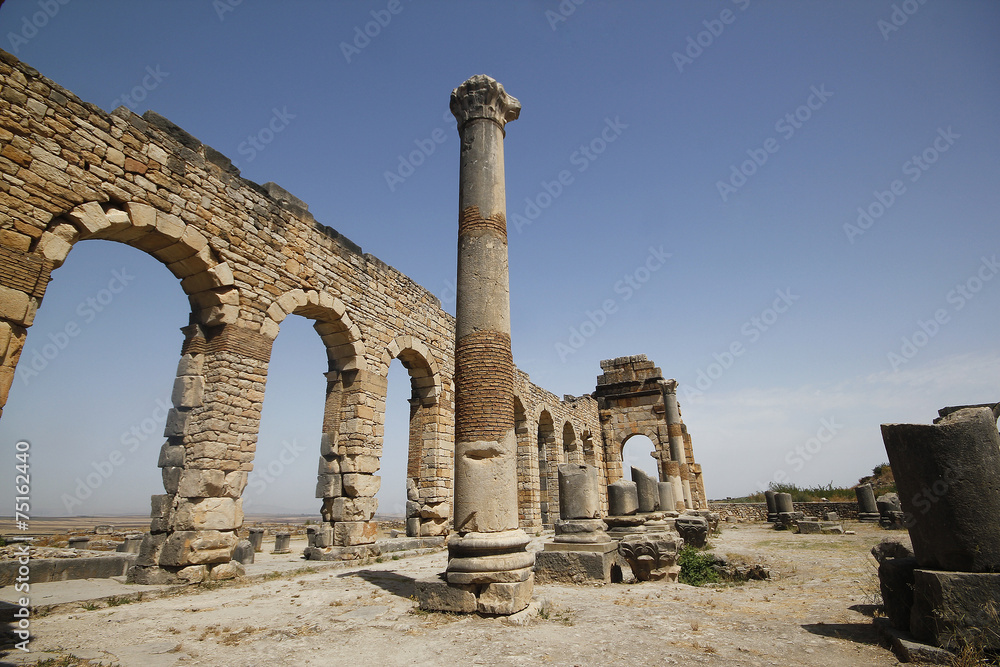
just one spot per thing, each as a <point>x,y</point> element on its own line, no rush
<point>816,610</point>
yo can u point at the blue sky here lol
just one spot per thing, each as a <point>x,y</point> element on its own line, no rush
<point>739,138</point>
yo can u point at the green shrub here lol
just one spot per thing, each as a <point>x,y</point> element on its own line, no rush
<point>696,567</point>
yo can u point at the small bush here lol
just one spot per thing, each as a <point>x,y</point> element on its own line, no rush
<point>696,567</point>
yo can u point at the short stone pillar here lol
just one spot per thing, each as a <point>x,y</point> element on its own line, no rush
<point>257,539</point>
<point>582,551</point>
<point>783,502</point>
<point>648,496</point>
<point>489,566</point>
<point>310,536</point>
<point>79,542</point>
<point>772,506</point>
<point>623,498</point>
<point>282,543</point>
<point>867,509</point>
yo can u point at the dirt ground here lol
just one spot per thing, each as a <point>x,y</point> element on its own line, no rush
<point>815,611</point>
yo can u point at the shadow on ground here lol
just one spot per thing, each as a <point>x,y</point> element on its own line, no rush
<point>391,582</point>
<point>866,609</point>
<point>860,633</point>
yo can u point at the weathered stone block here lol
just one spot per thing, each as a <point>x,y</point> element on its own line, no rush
<point>243,552</point>
<point>895,577</point>
<point>208,514</point>
<point>197,483</point>
<point>351,509</point>
<point>176,423</point>
<point>623,498</point>
<point>505,598</point>
<point>231,570</point>
<point>648,494</point>
<point>360,463</point>
<point>575,567</point>
<point>358,485</point>
<point>171,456</point>
<point>171,478</point>
<point>184,548</point>
<point>579,491</point>
<point>353,533</point>
<point>234,484</point>
<point>328,486</point>
<point>435,594</point>
<point>328,466</point>
<point>188,391</point>
<point>955,608</point>
<point>149,549</point>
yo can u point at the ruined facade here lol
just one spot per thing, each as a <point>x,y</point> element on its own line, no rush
<point>248,256</point>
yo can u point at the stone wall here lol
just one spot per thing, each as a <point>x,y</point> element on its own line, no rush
<point>248,256</point>
<point>758,511</point>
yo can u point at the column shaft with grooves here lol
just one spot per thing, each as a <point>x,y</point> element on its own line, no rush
<point>678,471</point>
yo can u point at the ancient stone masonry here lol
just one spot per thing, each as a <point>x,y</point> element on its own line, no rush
<point>633,398</point>
<point>248,256</point>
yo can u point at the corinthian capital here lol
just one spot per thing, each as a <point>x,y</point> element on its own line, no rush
<point>482,97</point>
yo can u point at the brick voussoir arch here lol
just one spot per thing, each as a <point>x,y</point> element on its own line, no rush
<point>183,249</point>
<point>341,336</point>
<point>416,357</point>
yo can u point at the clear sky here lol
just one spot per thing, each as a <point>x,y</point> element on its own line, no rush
<point>791,207</point>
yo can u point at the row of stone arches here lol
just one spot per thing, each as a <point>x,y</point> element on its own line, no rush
<point>219,353</point>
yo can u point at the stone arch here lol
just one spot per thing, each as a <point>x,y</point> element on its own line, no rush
<point>184,250</point>
<point>428,509</point>
<point>344,347</point>
<point>547,471</point>
<point>419,363</point>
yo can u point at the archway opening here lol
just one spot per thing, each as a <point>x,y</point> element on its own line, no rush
<point>400,459</point>
<point>93,384</point>
<point>639,451</point>
<point>571,452</point>
<point>284,474</point>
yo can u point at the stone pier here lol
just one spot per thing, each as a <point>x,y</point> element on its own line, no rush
<point>489,568</point>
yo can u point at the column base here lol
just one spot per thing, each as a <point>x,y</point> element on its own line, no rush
<point>503,598</point>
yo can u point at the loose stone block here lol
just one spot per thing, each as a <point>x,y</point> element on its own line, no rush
<point>575,567</point>
<point>623,498</point>
<point>895,577</point>
<point>948,476</point>
<point>955,608</point>
<point>648,494</point>
<point>579,491</point>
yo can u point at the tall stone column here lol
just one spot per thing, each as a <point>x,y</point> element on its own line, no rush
<point>489,553</point>
<point>681,486</point>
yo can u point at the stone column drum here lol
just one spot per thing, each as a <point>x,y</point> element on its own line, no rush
<point>489,551</point>
<point>648,494</point>
<point>772,506</point>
